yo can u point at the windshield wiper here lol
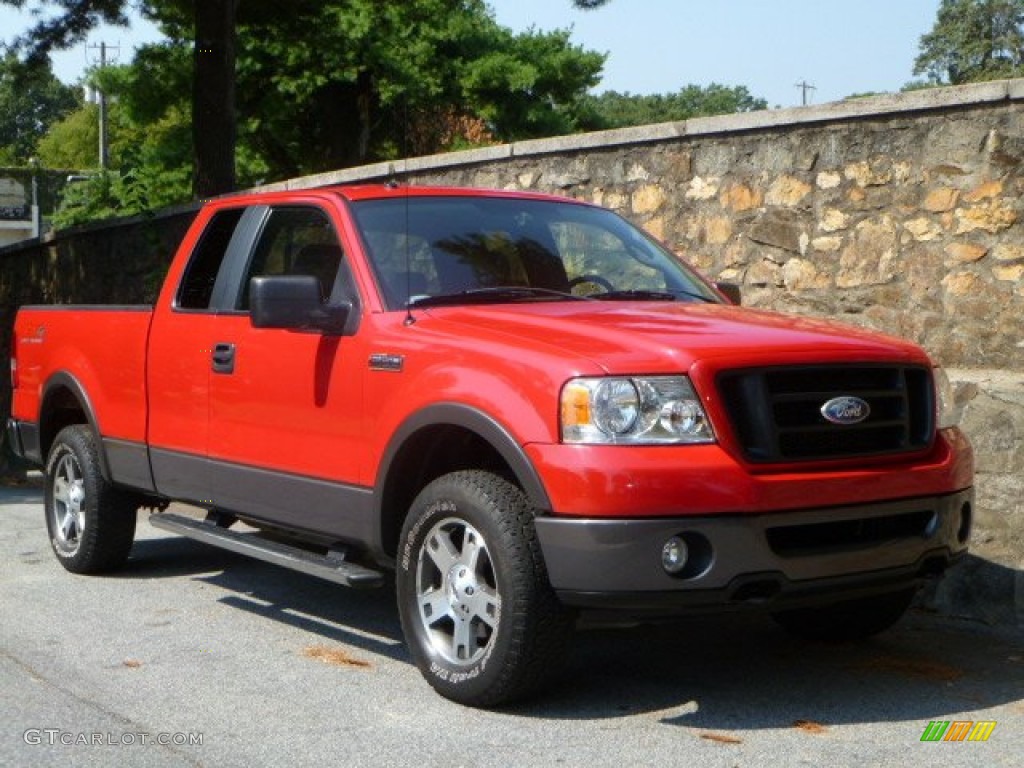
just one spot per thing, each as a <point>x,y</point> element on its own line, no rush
<point>493,295</point>
<point>643,295</point>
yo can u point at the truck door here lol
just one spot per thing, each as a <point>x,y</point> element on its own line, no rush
<point>285,441</point>
<point>178,363</point>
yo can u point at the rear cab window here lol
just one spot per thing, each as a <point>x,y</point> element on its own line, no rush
<point>196,289</point>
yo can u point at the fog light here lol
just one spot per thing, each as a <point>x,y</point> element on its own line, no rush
<point>674,555</point>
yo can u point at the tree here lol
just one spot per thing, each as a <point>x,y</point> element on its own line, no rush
<point>31,99</point>
<point>342,82</point>
<point>214,27</point>
<point>973,40</point>
<point>334,83</point>
<point>213,96</point>
<point>616,110</point>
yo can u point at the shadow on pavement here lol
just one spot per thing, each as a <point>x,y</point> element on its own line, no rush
<point>27,492</point>
<point>742,673</point>
<point>723,673</point>
<point>732,672</point>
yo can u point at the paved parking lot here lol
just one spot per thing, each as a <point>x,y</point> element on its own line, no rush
<point>197,657</point>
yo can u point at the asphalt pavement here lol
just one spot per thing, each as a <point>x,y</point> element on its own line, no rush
<point>192,656</point>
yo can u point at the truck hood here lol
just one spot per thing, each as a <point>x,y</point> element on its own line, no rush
<point>669,337</point>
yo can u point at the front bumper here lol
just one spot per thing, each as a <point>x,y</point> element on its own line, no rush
<point>23,438</point>
<point>776,559</point>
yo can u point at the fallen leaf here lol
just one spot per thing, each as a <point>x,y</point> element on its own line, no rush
<point>809,726</point>
<point>721,738</point>
<point>132,663</point>
<point>333,656</point>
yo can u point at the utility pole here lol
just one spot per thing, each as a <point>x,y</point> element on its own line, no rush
<point>804,87</point>
<point>101,99</point>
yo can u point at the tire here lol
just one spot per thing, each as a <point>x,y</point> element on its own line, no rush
<point>848,620</point>
<point>91,524</point>
<point>479,616</point>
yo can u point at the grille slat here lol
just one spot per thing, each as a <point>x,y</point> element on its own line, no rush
<point>803,397</point>
<point>776,412</point>
<point>830,428</point>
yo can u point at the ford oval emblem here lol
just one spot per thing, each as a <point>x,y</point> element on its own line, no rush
<point>846,410</point>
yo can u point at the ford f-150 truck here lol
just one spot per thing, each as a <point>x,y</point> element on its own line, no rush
<point>522,404</point>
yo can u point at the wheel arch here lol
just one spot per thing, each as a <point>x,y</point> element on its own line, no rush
<point>440,439</point>
<point>65,402</point>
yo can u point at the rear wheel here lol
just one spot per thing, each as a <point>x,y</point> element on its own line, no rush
<point>847,620</point>
<point>479,616</point>
<point>91,524</point>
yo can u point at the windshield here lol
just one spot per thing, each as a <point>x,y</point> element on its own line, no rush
<point>452,250</point>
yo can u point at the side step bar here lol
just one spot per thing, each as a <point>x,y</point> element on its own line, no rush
<point>331,566</point>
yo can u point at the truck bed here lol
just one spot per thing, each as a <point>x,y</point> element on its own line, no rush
<point>104,345</point>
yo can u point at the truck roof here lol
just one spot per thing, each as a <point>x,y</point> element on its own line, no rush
<point>384,191</point>
<point>389,190</point>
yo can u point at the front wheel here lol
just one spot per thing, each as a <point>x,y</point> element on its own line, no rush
<point>480,618</point>
<point>91,524</point>
<point>847,620</point>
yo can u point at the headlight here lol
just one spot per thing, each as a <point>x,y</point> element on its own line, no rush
<point>947,412</point>
<point>637,410</point>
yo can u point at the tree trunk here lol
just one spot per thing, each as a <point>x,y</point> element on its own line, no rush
<point>213,97</point>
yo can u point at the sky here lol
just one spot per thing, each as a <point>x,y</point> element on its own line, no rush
<point>660,46</point>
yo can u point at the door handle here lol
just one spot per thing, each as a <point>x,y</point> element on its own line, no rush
<point>223,357</point>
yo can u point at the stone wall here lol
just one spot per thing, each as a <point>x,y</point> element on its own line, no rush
<point>900,213</point>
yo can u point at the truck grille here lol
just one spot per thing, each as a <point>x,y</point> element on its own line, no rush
<point>777,412</point>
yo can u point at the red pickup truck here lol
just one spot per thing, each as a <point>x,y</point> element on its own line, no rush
<point>522,404</point>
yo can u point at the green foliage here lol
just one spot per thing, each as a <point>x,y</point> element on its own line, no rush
<point>529,85</point>
<point>917,85</point>
<point>31,99</point>
<point>150,153</point>
<point>338,83</point>
<point>100,196</point>
<point>617,110</point>
<point>72,142</point>
<point>323,86</point>
<point>972,41</point>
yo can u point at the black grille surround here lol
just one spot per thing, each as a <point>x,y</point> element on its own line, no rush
<point>776,412</point>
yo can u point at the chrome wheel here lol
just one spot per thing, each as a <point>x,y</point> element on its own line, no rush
<point>482,622</point>
<point>68,502</point>
<point>457,592</point>
<point>91,524</point>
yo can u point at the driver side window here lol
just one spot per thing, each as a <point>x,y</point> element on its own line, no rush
<point>296,241</point>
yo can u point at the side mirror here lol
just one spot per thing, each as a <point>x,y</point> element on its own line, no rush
<point>293,302</point>
<point>731,291</point>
